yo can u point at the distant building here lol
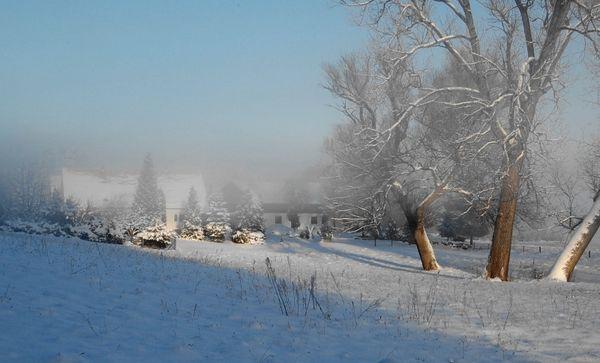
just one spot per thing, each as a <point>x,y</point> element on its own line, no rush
<point>273,195</point>
<point>308,214</point>
<point>100,188</point>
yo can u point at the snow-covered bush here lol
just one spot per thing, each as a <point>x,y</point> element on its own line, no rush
<point>156,236</point>
<point>31,227</point>
<point>326,232</point>
<point>244,236</point>
<point>241,236</point>
<point>216,231</point>
<point>277,232</point>
<point>191,231</point>
<point>310,233</point>
<point>92,229</point>
<point>305,233</point>
<point>103,229</point>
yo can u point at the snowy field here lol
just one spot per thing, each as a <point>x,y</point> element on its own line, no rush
<point>66,300</point>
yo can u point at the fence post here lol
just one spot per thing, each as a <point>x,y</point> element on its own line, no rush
<point>540,248</point>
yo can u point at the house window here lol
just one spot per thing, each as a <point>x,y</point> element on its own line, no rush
<point>313,220</point>
<point>277,219</point>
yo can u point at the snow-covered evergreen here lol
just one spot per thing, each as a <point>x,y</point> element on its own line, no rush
<point>244,236</point>
<point>217,210</point>
<point>148,206</point>
<point>191,212</point>
<point>250,213</point>
<point>190,221</point>
<point>156,236</point>
<point>216,231</point>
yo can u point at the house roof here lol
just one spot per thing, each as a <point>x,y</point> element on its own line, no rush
<point>283,208</point>
<point>274,192</point>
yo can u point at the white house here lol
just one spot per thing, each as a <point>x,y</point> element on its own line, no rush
<point>272,195</point>
<point>101,188</point>
<point>308,215</point>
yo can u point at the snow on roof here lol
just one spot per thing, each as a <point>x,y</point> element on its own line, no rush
<point>100,187</point>
<point>285,207</point>
<point>273,192</point>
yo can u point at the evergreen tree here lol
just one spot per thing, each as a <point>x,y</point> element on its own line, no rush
<point>250,213</point>
<point>149,203</point>
<point>217,210</point>
<point>233,197</point>
<point>162,201</point>
<point>191,209</point>
<point>191,218</point>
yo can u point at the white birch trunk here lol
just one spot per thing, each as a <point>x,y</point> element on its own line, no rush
<point>564,266</point>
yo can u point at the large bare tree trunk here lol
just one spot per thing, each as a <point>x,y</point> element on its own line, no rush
<point>499,258</point>
<point>565,264</point>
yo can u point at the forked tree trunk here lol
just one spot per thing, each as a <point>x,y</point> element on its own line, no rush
<point>418,236</point>
<point>416,225</point>
<point>565,264</point>
<point>499,258</point>
<point>425,249</point>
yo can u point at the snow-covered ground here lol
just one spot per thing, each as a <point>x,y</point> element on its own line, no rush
<point>68,300</point>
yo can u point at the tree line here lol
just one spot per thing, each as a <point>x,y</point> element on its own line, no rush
<point>30,203</point>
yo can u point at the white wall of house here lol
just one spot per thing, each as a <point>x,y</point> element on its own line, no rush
<point>306,219</point>
<point>172,216</point>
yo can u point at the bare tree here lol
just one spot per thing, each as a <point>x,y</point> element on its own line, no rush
<point>367,170</point>
<point>513,62</point>
<point>588,226</point>
<point>380,162</point>
<point>566,189</point>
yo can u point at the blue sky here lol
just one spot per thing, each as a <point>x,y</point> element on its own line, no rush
<point>229,83</point>
<point>190,80</point>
